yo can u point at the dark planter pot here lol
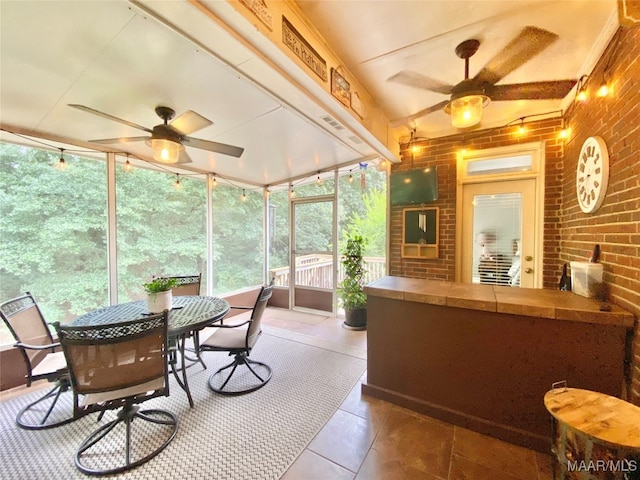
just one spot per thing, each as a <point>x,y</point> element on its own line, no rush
<point>355,319</point>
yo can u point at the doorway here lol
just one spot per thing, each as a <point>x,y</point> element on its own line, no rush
<point>313,254</point>
<point>499,211</point>
<point>500,219</point>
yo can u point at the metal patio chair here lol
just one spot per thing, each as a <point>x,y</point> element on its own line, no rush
<point>239,340</point>
<point>119,366</point>
<point>35,342</point>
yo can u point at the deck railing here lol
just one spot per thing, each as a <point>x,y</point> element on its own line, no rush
<point>317,271</point>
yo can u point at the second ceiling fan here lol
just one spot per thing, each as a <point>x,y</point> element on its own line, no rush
<point>169,139</point>
<point>471,95</point>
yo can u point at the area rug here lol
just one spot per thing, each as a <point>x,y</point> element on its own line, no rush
<point>253,436</point>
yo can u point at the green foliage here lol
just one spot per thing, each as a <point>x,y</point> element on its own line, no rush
<point>351,290</point>
<point>158,285</point>
<point>54,229</point>
<point>372,225</point>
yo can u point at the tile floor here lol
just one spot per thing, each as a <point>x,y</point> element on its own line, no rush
<point>371,439</point>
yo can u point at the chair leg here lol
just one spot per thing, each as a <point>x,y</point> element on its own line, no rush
<point>248,363</point>
<point>61,386</point>
<point>239,360</point>
<point>84,459</point>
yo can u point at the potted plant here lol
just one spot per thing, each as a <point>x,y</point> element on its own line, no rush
<point>350,291</point>
<point>159,295</point>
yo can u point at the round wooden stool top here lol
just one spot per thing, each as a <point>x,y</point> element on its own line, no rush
<point>602,417</point>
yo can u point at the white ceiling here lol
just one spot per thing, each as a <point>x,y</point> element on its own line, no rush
<point>379,39</point>
<point>125,58</point>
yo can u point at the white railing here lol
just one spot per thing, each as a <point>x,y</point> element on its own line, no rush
<point>317,271</point>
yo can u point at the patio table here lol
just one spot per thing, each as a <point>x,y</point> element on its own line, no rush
<point>190,313</point>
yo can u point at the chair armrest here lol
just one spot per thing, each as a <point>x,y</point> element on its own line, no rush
<point>236,308</point>
<point>36,347</point>
<point>235,325</point>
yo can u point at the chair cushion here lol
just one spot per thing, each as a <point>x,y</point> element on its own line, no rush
<point>141,388</point>
<point>53,362</point>
<point>227,338</point>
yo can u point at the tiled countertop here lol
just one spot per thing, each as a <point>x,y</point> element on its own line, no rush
<point>517,301</point>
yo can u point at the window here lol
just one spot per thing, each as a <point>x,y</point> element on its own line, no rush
<point>362,209</point>
<point>53,229</point>
<point>279,237</point>
<point>238,241</point>
<point>161,227</point>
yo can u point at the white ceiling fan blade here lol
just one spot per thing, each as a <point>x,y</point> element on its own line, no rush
<point>108,141</point>
<point>109,117</point>
<point>188,122</point>
<point>213,146</point>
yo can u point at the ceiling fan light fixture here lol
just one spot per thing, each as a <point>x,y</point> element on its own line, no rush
<point>467,111</point>
<point>165,150</point>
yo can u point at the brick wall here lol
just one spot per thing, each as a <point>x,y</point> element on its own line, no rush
<point>569,234</point>
<point>616,225</point>
<point>442,153</point>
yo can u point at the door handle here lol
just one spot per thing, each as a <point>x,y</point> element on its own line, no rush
<point>528,258</point>
<point>528,270</point>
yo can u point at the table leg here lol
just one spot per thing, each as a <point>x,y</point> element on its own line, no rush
<point>196,350</point>
<point>183,382</point>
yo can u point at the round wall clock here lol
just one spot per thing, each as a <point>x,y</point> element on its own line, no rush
<point>592,174</point>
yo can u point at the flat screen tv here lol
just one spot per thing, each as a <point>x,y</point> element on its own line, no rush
<point>414,187</point>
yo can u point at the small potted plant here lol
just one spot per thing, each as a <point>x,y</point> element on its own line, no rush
<point>159,295</point>
<point>351,291</point>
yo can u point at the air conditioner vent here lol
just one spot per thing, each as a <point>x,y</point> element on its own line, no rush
<point>332,122</point>
<point>355,140</point>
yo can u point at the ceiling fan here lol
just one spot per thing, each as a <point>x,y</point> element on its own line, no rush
<point>169,139</point>
<point>471,95</point>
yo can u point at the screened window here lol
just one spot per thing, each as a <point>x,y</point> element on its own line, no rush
<point>161,227</point>
<point>238,241</point>
<point>362,209</point>
<point>279,237</point>
<point>53,230</point>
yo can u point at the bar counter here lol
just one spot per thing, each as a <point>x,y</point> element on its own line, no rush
<point>483,356</point>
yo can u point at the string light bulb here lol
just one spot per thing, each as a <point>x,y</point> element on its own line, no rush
<point>292,193</point>
<point>319,180</point>
<point>350,179</point>
<point>564,131</point>
<point>214,182</point>
<point>61,165</point>
<point>582,91</point>
<point>603,91</point>
<point>127,165</point>
<point>521,128</point>
<point>177,184</point>
<point>244,196</point>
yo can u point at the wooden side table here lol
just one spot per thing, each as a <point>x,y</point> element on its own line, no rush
<point>595,436</point>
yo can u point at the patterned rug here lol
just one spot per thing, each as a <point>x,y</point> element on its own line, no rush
<point>254,436</point>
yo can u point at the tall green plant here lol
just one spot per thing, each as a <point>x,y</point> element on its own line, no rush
<point>351,290</point>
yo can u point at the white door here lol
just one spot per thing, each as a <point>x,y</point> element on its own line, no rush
<point>499,233</point>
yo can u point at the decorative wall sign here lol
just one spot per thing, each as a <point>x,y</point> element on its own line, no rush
<point>305,52</point>
<point>260,10</point>
<point>357,105</point>
<point>340,88</point>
